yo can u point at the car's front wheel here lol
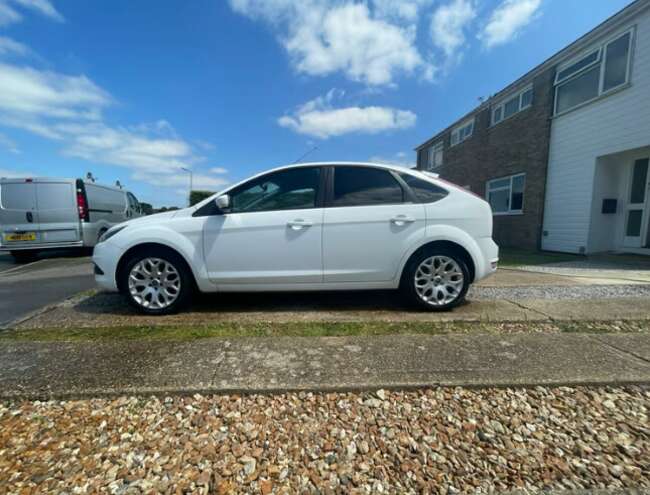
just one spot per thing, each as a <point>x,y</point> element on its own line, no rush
<point>156,282</point>
<point>436,279</point>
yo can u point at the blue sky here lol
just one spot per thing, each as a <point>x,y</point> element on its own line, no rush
<point>135,90</point>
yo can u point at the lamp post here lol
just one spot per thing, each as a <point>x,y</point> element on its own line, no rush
<point>189,196</point>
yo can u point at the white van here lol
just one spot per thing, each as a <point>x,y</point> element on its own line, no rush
<point>47,213</point>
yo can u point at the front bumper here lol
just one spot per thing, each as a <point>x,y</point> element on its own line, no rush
<point>106,256</point>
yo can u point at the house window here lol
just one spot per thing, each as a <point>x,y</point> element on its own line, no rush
<point>600,71</point>
<point>462,132</point>
<point>512,105</point>
<point>506,195</point>
<point>435,156</point>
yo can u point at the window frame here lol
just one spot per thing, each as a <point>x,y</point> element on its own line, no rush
<point>210,208</point>
<point>509,188</point>
<point>436,147</point>
<point>520,107</point>
<point>601,61</point>
<point>413,194</point>
<point>408,196</point>
<point>471,122</point>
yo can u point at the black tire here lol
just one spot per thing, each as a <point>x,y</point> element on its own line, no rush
<point>185,290</point>
<point>24,256</point>
<point>408,283</point>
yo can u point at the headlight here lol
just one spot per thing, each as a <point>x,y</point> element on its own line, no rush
<point>110,233</point>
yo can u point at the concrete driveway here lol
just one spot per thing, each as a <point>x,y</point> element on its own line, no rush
<point>26,288</point>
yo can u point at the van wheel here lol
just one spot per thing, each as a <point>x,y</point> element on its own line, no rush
<point>156,282</point>
<point>23,256</point>
<point>435,279</point>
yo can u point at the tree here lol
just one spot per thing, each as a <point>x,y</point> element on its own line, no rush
<point>198,196</point>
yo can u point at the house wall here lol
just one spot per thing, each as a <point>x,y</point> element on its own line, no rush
<point>613,124</point>
<point>517,144</point>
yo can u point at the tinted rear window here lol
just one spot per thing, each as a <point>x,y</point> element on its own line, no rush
<point>19,196</point>
<point>424,191</point>
<point>357,186</point>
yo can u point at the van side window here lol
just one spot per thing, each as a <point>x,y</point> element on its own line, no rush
<point>133,202</point>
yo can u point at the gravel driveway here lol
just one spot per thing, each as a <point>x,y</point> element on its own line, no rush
<point>432,441</point>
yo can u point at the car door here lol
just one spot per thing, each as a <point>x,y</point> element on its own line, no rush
<point>58,213</point>
<point>18,213</point>
<point>369,223</point>
<point>272,232</point>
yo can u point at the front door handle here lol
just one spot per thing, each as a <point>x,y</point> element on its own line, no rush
<point>299,224</point>
<point>400,220</point>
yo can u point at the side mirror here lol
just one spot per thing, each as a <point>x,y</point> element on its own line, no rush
<point>223,202</point>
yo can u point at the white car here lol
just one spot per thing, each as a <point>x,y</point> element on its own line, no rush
<point>313,226</point>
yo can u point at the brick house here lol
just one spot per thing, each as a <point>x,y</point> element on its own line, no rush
<point>559,152</point>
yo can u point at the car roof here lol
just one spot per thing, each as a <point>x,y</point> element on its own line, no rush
<point>335,163</point>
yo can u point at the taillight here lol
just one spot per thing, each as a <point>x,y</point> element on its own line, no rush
<point>82,206</point>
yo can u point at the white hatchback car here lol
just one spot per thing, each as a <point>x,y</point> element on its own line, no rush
<point>316,226</point>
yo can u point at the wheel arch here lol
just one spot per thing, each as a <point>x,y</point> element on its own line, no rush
<point>144,248</point>
<point>448,244</point>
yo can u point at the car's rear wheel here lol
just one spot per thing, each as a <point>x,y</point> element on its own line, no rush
<point>156,282</point>
<point>24,256</point>
<point>436,279</point>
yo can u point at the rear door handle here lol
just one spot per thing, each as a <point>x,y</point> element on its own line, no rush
<point>402,220</point>
<point>30,216</point>
<point>299,224</point>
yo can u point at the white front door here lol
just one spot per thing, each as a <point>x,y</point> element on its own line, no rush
<point>272,233</point>
<point>637,215</point>
<point>368,226</point>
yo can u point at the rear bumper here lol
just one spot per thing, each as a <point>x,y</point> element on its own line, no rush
<point>40,246</point>
<point>490,253</point>
<point>106,256</point>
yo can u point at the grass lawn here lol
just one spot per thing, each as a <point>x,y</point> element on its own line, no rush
<point>518,257</point>
<point>312,329</point>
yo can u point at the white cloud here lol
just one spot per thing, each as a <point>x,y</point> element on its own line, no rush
<point>43,7</point>
<point>10,15</point>
<point>320,119</point>
<point>69,109</point>
<point>218,170</point>
<point>448,25</point>
<point>29,92</point>
<point>400,159</point>
<point>12,47</point>
<point>8,173</point>
<point>507,21</point>
<point>324,37</point>
<point>8,144</point>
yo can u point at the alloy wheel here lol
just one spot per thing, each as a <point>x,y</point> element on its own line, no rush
<point>154,283</point>
<point>439,280</point>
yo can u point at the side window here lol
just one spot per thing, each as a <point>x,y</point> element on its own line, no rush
<point>133,202</point>
<point>357,186</point>
<point>284,190</point>
<point>425,191</point>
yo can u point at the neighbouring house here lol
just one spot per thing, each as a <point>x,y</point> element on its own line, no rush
<point>562,154</point>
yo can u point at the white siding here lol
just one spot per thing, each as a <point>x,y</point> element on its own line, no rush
<point>615,123</point>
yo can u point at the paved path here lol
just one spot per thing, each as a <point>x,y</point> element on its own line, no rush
<point>26,288</point>
<point>61,369</point>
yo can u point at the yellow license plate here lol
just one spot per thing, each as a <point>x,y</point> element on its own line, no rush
<point>27,236</point>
